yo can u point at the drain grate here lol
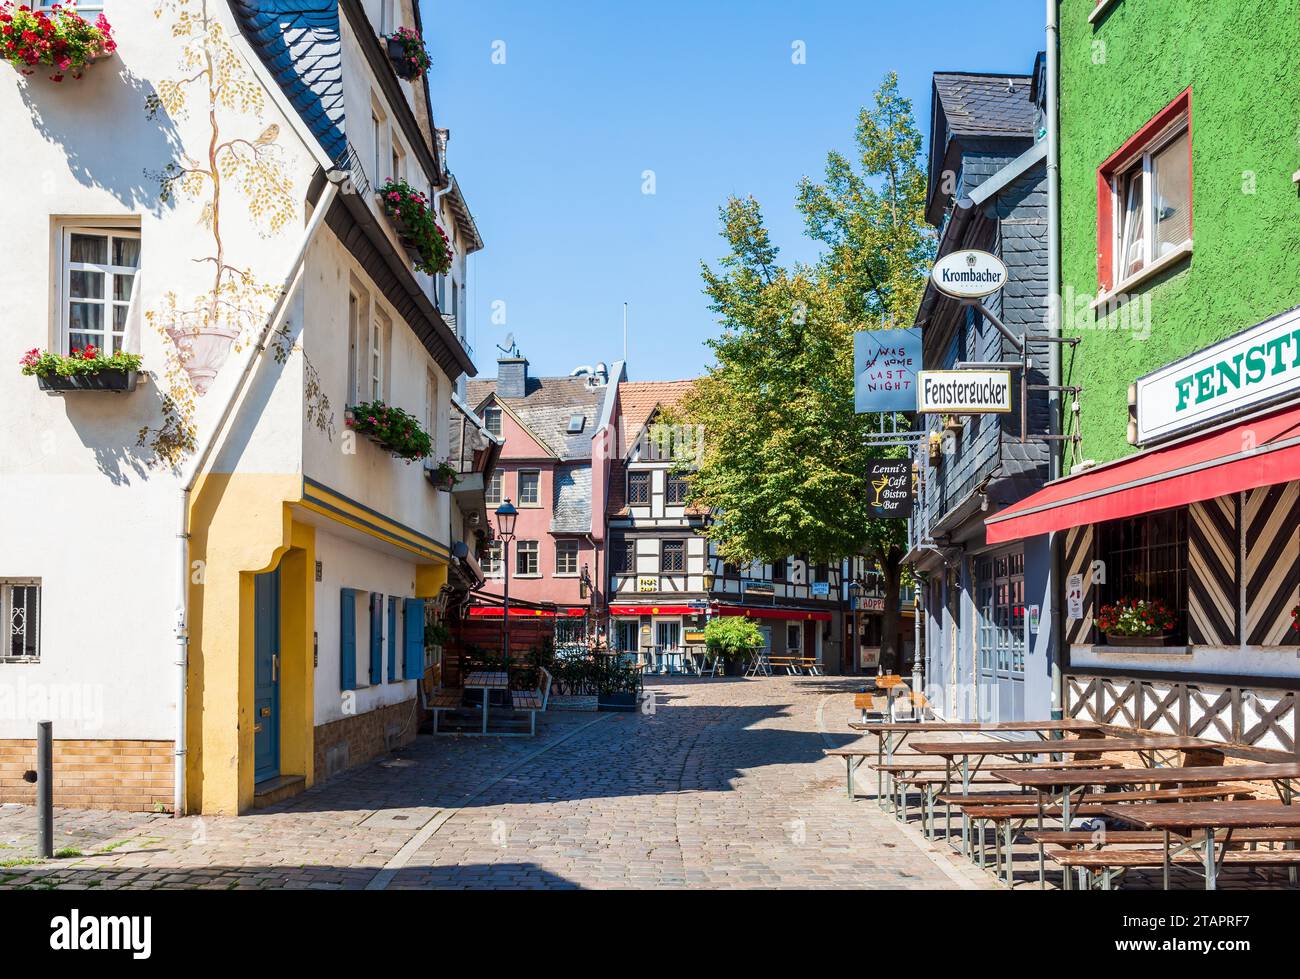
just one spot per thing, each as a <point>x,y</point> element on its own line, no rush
<point>413,818</point>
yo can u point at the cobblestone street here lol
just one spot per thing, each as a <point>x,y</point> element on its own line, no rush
<point>723,785</point>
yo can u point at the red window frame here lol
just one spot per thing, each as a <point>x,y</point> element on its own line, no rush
<point>1181,105</point>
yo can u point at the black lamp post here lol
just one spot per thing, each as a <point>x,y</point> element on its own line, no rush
<point>506,516</point>
<point>854,588</point>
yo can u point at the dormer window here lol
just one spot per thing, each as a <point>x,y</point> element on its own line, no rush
<point>492,420</point>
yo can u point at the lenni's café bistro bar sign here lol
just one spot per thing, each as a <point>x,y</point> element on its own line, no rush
<point>1257,366</point>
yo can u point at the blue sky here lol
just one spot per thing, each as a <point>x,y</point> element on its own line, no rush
<point>550,146</point>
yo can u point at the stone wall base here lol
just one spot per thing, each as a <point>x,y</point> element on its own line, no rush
<point>132,775</point>
<point>352,741</point>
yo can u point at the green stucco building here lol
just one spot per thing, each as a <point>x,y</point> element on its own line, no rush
<point>1237,66</point>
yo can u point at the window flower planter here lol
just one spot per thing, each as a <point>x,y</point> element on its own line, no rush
<point>443,476</point>
<point>1114,639</point>
<point>409,56</point>
<point>60,40</point>
<point>390,428</point>
<point>86,369</point>
<point>1136,622</point>
<point>412,219</point>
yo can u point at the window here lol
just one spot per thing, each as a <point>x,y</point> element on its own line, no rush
<point>676,489</point>
<point>638,487</point>
<point>1146,557</point>
<point>530,482</point>
<point>624,556</point>
<point>20,612</point>
<point>778,569</point>
<point>83,6</point>
<point>494,487</point>
<point>378,127</point>
<point>1145,198</point>
<point>492,420</point>
<point>492,559</point>
<point>629,636</point>
<point>397,158</point>
<point>793,638</point>
<point>357,313</point>
<point>375,357</point>
<point>526,557</point>
<point>576,422</point>
<point>566,557</point>
<point>431,404</point>
<point>97,276</point>
<point>1000,601</point>
<point>672,557</point>
<point>821,572</point>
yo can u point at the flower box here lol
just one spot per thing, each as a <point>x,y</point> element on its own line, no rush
<point>59,39</point>
<point>402,65</point>
<point>1113,639</point>
<point>390,428</point>
<point>412,218</point>
<point>105,380</point>
<point>406,51</point>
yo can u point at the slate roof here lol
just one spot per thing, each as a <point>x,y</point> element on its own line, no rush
<point>298,41</point>
<point>572,510</point>
<point>985,105</point>
<point>545,410</point>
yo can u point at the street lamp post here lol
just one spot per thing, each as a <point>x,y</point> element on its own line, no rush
<point>506,516</point>
<point>854,587</point>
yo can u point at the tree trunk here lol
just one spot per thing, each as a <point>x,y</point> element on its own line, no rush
<point>891,565</point>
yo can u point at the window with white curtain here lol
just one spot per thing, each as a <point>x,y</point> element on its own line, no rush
<point>1153,203</point>
<point>98,269</point>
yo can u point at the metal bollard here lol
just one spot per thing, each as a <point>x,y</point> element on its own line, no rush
<point>45,789</point>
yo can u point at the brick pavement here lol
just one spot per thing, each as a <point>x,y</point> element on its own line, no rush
<point>724,784</point>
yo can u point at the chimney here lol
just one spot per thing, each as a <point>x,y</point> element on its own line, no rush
<point>512,375</point>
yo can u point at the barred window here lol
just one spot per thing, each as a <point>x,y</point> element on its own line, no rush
<point>1146,557</point>
<point>20,611</point>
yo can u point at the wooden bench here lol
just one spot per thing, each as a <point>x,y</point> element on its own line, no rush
<point>1191,793</point>
<point>437,699</point>
<point>793,665</point>
<point>1105,865</point>
<point>533,700</point>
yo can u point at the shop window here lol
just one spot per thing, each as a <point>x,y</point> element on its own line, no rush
<point>793,638</point>
<point>1146,557</point>
<point>1144,199</point>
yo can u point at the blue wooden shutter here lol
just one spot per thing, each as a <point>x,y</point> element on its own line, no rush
<point>392,639</point>
<point>348,640</point>
<point>376,639</point>
<point>413,621</point>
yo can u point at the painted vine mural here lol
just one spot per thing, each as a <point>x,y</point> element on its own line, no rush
<point>238,173</point>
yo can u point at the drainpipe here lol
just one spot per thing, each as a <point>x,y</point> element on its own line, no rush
<point>1054,330</point>
<point>203,455</point>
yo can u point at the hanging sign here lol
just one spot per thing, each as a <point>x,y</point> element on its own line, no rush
<point>969,274</point>
<point>885,363</point>
<point>889,487</point>
<point>1256,366</point>
<point>963,392</point>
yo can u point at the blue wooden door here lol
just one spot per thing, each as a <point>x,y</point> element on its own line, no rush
<point>266,673</point>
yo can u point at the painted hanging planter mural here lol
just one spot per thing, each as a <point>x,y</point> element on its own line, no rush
<point>242,172</point>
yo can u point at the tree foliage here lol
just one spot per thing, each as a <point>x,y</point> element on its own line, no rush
<point>784,464</point>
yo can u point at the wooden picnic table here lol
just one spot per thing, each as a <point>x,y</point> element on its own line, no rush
<point>1197,823</point>
<point>486,681</point>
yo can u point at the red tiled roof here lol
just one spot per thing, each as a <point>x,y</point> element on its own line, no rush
<point>639,399</point>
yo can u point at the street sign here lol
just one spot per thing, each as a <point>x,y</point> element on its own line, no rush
<point>821,589</point>
<point>885,363</point>
<point>969,274</point>
<point>1258,365</point>
<point>963,392</point>
<point>889,487</point>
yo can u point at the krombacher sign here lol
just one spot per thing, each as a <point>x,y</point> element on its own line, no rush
<point>1255,367</point>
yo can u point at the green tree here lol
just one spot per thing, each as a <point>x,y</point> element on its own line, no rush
<point>784,460</point>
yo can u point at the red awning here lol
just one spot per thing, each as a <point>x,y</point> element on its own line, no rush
<point>768,612</point>
<point>655,610</point>
<point>1256,452</point>
<point>495,612</point>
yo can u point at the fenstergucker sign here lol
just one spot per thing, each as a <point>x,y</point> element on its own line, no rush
<point>1257,366</point>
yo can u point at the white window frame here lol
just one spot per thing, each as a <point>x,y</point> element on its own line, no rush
<point>489,413</point>
<point>397,156</point>
<point>108,270</point>
<point>7,586</point>
<point>534,548</point>
<point>1151,262</point>
<point>357,306</point>
<point>492,560</point>
<point>496,483</point>
<point>379,154</point>
<point>536,501</point>
<point>376,346</point>
<point>577,553</point>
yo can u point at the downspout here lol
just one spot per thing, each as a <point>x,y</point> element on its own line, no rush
<point>1057,446</point>
<point>205,453</point>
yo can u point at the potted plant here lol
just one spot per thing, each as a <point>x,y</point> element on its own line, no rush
<point>1136,622</point>
<point>618,687</point>
<point>734,638</point>
<point>390,428</point>
<point>61,39</point>
<point>85,369</point>
<point>443,474</point>
<point>420,234</point>
<point>408,54</point>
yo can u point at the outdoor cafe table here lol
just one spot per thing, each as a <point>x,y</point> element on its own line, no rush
<point>890,736</point>
<point>949,751</point>
<point>1197,822</point>
<point>1048,785</point>
<point>487,681</point>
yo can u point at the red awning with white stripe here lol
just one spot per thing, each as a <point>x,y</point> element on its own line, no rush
<point>656,610</point>
<point>1257,452</point>
<point>771,612</point>
<point>496,612</point>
